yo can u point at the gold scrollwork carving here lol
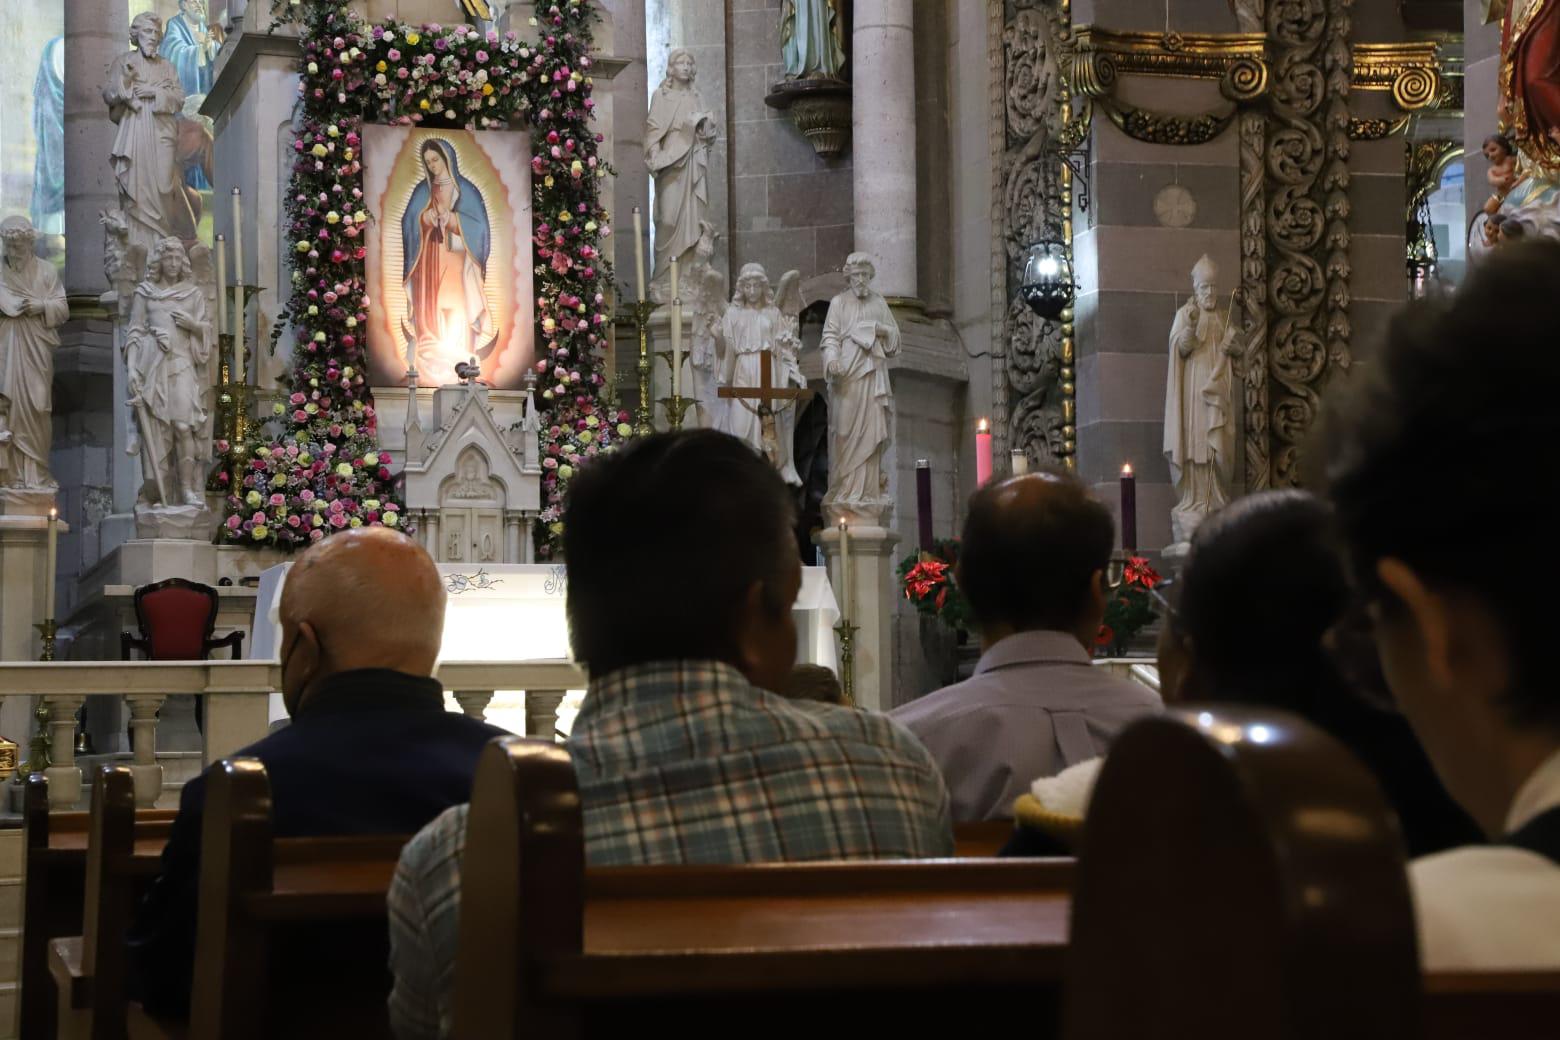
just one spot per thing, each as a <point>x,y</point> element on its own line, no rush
<point>1183,55</point>
<point>1160,128</point>
<point>1244,80</point>
<point>1376,129</point>
<point>1411,71</point>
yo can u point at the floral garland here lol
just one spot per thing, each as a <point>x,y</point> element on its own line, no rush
<point>323,471</point>
<point>927,579</point>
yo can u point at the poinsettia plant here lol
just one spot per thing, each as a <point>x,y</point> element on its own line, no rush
<point>1130,608</point>
<point>927,579</point>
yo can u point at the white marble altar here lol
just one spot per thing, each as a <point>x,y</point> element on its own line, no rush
<point>511,613</point>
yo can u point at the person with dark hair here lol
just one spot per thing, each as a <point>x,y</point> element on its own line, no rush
<point>1437,467</point>
<point>1032,567</point>
<point>683,750</point>
<point>814,682</point>
<point>1262,617</point>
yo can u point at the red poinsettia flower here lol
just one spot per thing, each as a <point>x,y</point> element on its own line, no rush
<point>1138,572</point>
<point>1105,636</point>
<point>921,579</point>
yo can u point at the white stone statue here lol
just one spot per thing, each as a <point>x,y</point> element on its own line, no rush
<point>859,336</point>
<point>679,133</point>
<point>168,353</point>
<point>705,299</point>
<point>144,98</point>
<point>1199,426</point>
<point>32,306</point>
<point>753,322</point>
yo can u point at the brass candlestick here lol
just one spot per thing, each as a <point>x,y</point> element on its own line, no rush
<point>38,747</point>
<point>847,633</point>
<point>675,407</point>
<point>643,418</point>
<point>48,629</point>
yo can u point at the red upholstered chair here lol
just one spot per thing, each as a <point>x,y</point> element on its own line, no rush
<point>176,619</point>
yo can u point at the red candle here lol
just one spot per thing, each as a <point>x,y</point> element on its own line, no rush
<point>982,453</point>
<point>923,503</point>
<point>1128,508</point>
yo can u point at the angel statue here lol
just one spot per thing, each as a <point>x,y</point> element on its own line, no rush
<point>761,318</point>
<point>706,301</point>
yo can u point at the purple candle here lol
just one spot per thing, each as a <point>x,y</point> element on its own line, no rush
<point>1128,508</point>
<point>923,502</point>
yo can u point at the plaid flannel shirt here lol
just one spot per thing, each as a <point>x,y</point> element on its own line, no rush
<point>688,762</point>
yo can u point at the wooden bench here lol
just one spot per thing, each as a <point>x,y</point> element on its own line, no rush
<point>292,938</point>
<point>1242,876</point>
<point>55,887</point>
<point>124,854</point>
<point>558,950</point>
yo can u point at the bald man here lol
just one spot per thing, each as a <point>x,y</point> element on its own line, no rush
<point>1032,566</point>
<point>370,750</point>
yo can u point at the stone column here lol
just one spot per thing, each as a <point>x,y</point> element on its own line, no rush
<point>870,607</point>
<point>95,32</point>
<point>883,141</point>
<point>541,713</point>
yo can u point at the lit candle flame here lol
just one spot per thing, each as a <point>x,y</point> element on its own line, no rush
<point>983,426</point>
<point>1126,469</point>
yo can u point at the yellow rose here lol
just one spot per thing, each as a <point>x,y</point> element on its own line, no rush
<point>413,38</point>
<point>390,519</point>
<point>354,522</point>
<point>259,532</point>
<point>381,67</point>
<point>253,498</point>
<point>319,151</point>
<point>344,470</point>
<point>423,104</point>
<point>487,89</point>
<point>333,217</point>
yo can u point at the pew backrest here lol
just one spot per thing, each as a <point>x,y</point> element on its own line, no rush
<point>267,905</point>
<point>555,944</point>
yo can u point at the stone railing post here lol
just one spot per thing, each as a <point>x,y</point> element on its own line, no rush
<point>63,773</point>
<point>143,740</point>
<point>541,713</point>
<point>475,703</point>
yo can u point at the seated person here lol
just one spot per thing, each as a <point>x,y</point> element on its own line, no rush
<point>683,752</point>
<point>814,682</point>
<point>1032,566</point>
<point>1436,464</point>
<point>370,750</point>
<point>1260,607</point>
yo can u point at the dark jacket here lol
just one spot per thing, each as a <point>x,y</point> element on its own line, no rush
<point>369,752</point>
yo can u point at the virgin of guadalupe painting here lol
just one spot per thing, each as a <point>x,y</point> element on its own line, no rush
<point>449,259</point>
<point>446,242</point>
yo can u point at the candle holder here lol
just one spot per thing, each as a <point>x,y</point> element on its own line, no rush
<point>643,418</point>
<point>39,747</point>
<point>675,408</point>
<point>48,629</point>
<point>847,636</point>
<point>1116,570</point>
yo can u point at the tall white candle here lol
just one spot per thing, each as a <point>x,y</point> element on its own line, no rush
<point>639,252</point>
<point>845,575</point>
<point>676,341</point>
<point>240,363</point>
<point>675,293</point>
<point>49,565</point>
<point>221,252</point>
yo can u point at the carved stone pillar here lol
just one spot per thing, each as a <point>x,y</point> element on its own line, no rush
<point>513,551</point>
<point>883,141</point>
<point>474,702</point>
<point>143,738</point>
<point>541,713</point>
<point>63,773</point>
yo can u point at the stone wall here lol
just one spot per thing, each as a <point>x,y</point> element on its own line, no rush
<point>790,208</point>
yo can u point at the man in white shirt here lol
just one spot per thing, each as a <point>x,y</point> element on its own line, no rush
<point>1436,465</point>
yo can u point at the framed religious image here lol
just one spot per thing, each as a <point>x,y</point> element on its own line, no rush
<point>449,254</point>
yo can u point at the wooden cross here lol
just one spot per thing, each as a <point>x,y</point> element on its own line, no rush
<point>765,393</point>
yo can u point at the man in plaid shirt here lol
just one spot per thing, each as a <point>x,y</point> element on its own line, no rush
<point>684,753</point>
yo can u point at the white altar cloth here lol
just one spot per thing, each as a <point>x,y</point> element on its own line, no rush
<point>514,612</point>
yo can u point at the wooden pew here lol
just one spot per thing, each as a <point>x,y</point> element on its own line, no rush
<point>1242,876</point>
<point>557,950</point>
<point>292,937</point>
<point>55,884</point>
<point>981,839</point>
<point>124,854</point>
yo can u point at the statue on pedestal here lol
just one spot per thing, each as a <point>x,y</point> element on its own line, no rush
<point>755,321</point>
<point>32,306</point>
<point>1199,428</point>
<point>145,99</point>
<point>168,353</point>
<point>859,336</point>
<point>812,38</point>
<point>679,134</point>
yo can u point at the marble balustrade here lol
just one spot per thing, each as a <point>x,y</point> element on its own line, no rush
<point>237,700</point>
